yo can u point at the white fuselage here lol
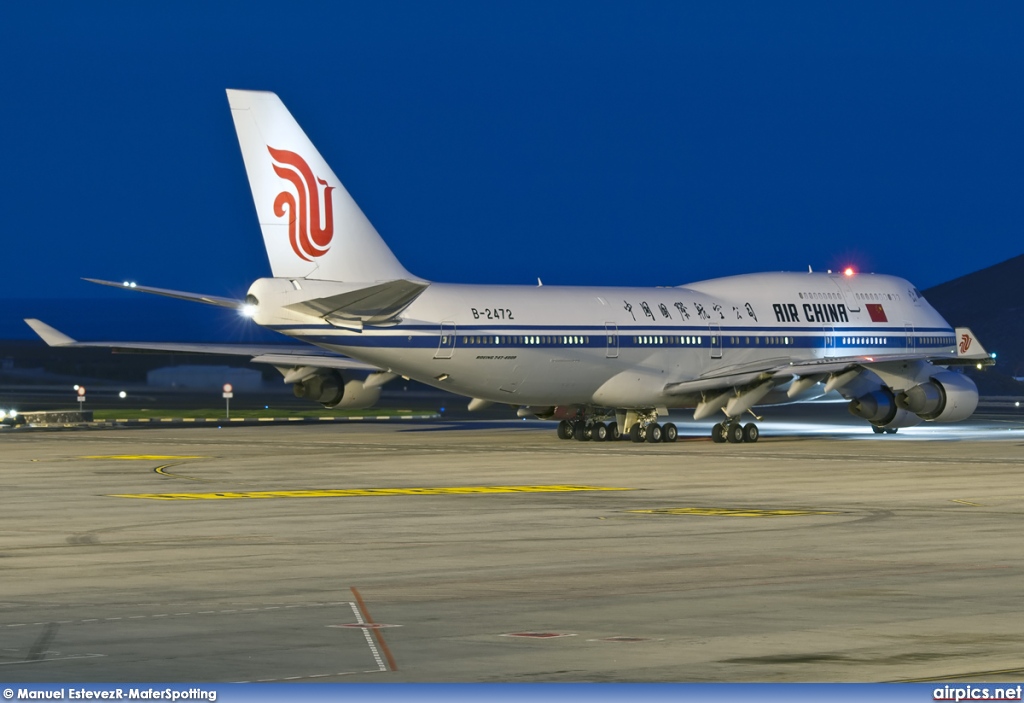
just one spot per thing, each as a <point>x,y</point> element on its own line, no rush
<point>618,347</point>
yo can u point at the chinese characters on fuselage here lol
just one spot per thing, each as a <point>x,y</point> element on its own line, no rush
<point>684,311</point>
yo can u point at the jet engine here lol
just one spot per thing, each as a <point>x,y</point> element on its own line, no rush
<point>326,387</point>
<point>945,397</point>
<point>331,390</point>
<point>880,409</point>
<point>877,407</point>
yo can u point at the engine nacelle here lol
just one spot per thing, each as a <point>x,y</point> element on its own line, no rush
<point>902,418</point>
<point>880,409</point>
<point>877,407</point>
<point>946,397</point>
<point>328,388</point>
<point>325,387</point>
<point>922,400</point>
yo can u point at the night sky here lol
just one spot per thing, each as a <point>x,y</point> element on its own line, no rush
<point>621,143</point>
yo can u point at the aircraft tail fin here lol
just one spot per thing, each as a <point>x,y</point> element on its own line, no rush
<point>312,228</point>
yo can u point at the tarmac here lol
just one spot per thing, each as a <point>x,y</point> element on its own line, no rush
<point>492,551</point>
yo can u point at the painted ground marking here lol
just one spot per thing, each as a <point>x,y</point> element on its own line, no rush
<point>141,457</point>
<point>732,512</point>
<point>366,492</point>
<point>361,611</point>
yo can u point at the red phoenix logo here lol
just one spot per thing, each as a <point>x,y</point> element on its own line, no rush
<point>965,343</point>
<point>309,230</point>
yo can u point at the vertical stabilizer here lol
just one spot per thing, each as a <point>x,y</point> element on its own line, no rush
<point>312,228</point>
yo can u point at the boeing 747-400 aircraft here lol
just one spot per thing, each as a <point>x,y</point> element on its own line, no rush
<point>604,362</point>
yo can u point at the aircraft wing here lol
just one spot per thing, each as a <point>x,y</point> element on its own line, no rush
<point>274,354</point>
<point>780,370</point>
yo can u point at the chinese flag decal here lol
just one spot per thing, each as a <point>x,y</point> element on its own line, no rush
<point>876,312</point>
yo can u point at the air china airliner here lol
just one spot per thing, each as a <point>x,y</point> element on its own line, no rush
<point>605,363</point>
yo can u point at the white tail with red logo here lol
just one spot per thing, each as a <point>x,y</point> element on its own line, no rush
<point>312,228</point>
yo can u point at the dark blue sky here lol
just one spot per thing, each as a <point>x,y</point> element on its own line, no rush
<point>585,143</point>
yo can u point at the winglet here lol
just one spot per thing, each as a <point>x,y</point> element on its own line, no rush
<point>49,335</point>
<point>968,346</point>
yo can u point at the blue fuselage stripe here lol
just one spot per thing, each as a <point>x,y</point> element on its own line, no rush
<point>893,340</point>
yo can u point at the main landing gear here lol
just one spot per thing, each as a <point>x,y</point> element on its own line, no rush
<point>653,433</point>
<point>589,430</point>
<point>643,427</point>
<point>733,432</point>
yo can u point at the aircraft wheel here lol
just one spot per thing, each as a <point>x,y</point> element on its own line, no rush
<point>565,430</point>
<point>635,433</point>
<point>580,432</point>
<point>669,432</point>
<point>734,433</point>
<point>654,433</point>
<point>599,432</point>
<point>614,433</point>
<point>751,433</point>
<point>718,433</point>
<point>877,430</point>
<point>892,430</point>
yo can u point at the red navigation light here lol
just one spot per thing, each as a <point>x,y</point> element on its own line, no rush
<point>848,271</point>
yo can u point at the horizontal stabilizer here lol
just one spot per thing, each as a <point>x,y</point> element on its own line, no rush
<point>181,295</point>
<point>373,304</point>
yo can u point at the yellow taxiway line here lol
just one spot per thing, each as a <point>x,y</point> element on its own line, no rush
<point>141,457</point>
<point>364,492</point>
